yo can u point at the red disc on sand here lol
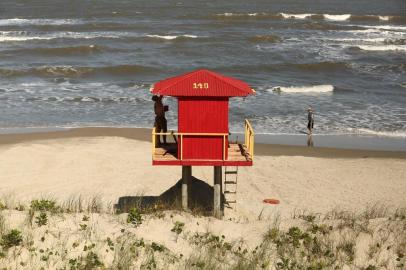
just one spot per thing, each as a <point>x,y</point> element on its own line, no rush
<point>271,201</point>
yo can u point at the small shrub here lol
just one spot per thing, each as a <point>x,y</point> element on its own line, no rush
<point>110,243</point>
<point>2,224</point>
<point>12,239</point>
<point>348,247</point>
<point>178,228</point>
<point>42,219</point>
<point>157,247</point>
<point>3,206</point>
<point>371,267</point>
<point>20,207</point>
<point>92,261</point>
<point>44,205</point>
<point>134,217</point>
<point>95,205</point>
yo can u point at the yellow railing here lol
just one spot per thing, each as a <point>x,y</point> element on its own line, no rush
<point>249,139</point>
<point>248,143</point>
<point>153,141</point>
<point>181,134</point>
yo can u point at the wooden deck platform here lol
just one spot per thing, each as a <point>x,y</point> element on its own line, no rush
<point>168,155</point>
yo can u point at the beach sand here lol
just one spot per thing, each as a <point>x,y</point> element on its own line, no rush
<point>113,163</point>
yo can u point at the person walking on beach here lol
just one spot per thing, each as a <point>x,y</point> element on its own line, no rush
<point>310,119</point>
<point>160,120</point>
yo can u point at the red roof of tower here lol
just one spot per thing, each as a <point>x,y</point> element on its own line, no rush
<point>202,82</point>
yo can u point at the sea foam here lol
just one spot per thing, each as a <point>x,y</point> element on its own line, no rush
<point>18,21</point>
<point>168,37</point>
<point>342,17</point>
<point>365,131</point>
<point>325,88</point>
<point>382,47</point>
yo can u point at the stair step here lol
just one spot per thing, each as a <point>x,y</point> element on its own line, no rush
<point>232,192</point>
<point>231,172</point>
<point>231,201</point>
<point>230,182</point>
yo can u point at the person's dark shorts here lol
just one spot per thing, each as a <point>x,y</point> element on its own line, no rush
<point>160,124</point>
<point>310,124</point>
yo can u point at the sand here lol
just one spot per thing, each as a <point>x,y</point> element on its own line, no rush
<point>65,164</point>
<point>113,163</point>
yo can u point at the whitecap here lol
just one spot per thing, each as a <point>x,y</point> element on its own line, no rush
<point>19,21</point>
<point>384,18</point>
<point>325,88</point>
<point>295,16</point>
<point>382,47</point>
<point>365,131</point>
<point>168,37</point>
<point>6,36</point>
<point>342,17</point>
<point>386,27</point>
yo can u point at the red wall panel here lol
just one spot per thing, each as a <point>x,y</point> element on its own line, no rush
<point>203,115</point>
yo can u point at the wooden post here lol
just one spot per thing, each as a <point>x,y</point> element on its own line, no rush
<point>186,177</point>
<point>217,212</point>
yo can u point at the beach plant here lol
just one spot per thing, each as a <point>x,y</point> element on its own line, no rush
<point>2,206</point>
<point>178,228</point>
<point>110,244</point>
<point>11,239</point>
<point>74,204</point>
<point>2,224</point>
<point>134,217</point>
<point>126,251</point>
<point>41,219</point>
<point>213,252</point>
<point>377,210</point>
<point>95,205</point>
<point>20,207</point>
<point>83,227</point>
<point>45,205</point>
<point>157,247</point>
<point>347,246</point>
<point>90,261</point>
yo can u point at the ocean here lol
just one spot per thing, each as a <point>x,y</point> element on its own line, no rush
<point>91,63</point>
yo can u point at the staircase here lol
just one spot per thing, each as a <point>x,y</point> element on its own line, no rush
<point>230,186</point>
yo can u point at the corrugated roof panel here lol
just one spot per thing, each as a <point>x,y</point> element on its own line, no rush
<point>202,83</point>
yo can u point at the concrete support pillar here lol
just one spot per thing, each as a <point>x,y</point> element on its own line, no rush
<point>186,178</point>
<point>217,209</point>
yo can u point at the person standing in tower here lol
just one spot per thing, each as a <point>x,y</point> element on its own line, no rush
<point>160,120</point>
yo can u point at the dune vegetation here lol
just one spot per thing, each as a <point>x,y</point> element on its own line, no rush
<point>88,234</point>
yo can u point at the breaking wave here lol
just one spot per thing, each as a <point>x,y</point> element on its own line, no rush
<point>380,47</point>
<point>343,17</point>
<point>170,37</point>
<point>27,35</point>
<point>84,99</point>
<point>311,16</point>
<point>18,21</point>
<point>364,131</point>
<point>304,89</point>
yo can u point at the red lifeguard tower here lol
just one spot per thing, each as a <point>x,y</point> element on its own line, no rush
<point>202,138</point>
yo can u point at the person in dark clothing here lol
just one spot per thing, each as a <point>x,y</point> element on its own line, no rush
<point>310,119</point>
<point>160,120</point>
